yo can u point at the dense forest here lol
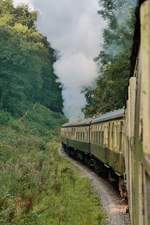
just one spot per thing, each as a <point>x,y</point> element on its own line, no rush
<point>26,63</point>
<point>110,90</point>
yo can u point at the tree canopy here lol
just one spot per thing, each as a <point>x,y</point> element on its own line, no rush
<point>113,61</point>
<point>26,63</point>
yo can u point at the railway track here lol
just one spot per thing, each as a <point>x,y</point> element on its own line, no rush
<point>114,206</point>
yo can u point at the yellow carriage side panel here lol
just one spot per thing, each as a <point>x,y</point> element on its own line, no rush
<point>103,146</point>
<point>145,62</point>
<point>128,145</point>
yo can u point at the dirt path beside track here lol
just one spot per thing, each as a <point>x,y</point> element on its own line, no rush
<point>110,200</point>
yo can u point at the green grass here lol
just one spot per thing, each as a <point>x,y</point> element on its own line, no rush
<point>38,187</point>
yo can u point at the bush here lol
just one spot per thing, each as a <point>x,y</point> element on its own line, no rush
<point>5,117</point>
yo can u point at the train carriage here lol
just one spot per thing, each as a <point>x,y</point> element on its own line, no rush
<point>100,137</point>
<point>137,146</point>
<point>78,135</point>
<point>106,140</point>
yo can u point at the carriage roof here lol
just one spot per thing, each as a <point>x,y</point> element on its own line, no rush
<point>117,114</point>
<point>83,122</point>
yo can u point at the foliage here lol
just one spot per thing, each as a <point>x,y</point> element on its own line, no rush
<point>114,60</point>
<point>26,63</point>
<point>42,121</point>
<point>4,118</point>
<point>39,187</point>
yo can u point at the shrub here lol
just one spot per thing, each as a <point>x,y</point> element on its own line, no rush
<point>5,117</point>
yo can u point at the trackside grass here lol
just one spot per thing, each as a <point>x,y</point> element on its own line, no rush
<point>38,187</point>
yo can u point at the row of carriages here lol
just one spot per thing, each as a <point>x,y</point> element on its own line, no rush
<point>102,137</point>
<point>121,139</point>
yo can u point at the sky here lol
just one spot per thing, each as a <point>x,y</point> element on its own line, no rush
<point>74,28</point>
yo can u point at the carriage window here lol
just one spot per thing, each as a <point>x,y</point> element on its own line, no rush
<point>87,134</point>
<point>82,136</point>
<point>106,136</point>
<point>121,135</point>
<point>116,137</point>
<point>101,138</point>
<point>97,137</point>
<point>76,135</point>
<point>112,135</point>
<point>94,137</point>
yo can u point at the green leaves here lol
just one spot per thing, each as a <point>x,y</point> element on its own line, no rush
<point>26,63</point>
<point>38,186</point>
<point>114,60</point>
<point>24,17</point>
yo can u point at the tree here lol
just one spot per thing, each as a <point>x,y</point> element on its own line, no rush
<point>114,60</point>
<point>26,63</point>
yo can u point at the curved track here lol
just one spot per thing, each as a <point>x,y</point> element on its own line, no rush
<point>114,207</point>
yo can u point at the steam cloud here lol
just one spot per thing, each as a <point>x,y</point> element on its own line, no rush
<point>73,28</point>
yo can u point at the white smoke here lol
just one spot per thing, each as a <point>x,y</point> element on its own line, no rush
<point>28,2</point>
<point>73,28</point>
<point>76,71</point>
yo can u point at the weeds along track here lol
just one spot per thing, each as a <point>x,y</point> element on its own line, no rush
<point>113,205</point>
